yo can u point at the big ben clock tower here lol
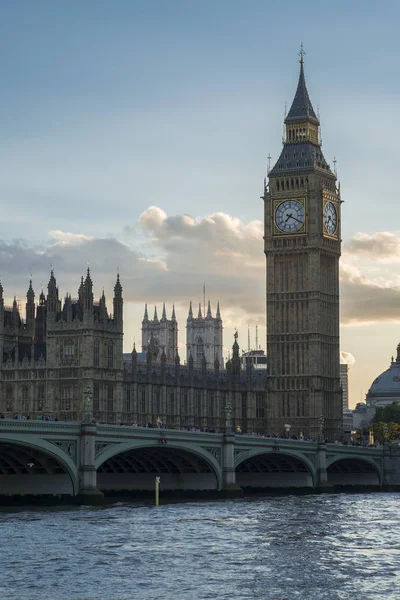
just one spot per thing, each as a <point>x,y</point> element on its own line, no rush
<point>302,248</point>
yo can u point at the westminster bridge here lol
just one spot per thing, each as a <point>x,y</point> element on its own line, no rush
<point>86,461</point>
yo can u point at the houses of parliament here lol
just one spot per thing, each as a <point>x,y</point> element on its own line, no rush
<point>64,354</point>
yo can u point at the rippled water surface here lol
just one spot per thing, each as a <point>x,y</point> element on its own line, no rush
<point>309,547</point>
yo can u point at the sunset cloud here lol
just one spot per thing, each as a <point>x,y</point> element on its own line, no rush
<point>167,258</point>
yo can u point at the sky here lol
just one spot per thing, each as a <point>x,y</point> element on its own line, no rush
<point>135,135</point>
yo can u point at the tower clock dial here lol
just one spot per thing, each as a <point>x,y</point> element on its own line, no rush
<point>290,216</point>
<point>330,218</point>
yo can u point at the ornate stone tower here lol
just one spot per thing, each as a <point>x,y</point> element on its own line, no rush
<point>302,247</point>
<point>161,335</point>
<point>204,337</point>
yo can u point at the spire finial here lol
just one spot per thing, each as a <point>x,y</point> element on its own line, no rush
<point>301,54</point>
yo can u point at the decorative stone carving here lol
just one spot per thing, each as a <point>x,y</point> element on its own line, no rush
<point>240,455</point>
<point>101,446</point>
<point>216,453</point>
<point>67,446</point>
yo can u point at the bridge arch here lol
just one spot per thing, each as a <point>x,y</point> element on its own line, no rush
<point>133,465</point>
<point>269,468</point>
<point>35,467</point>
<point>341,469</point>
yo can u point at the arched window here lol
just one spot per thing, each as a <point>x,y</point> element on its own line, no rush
<point>110,355</point>
<point>67,398</point>
<point>96,353</point>
<point>277,185</point>
<point>24,405</point>
<point>9,398</point>
<point>199,349</point>
<point>69,349</point>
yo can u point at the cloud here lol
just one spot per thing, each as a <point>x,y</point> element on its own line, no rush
<point>364,300</point>
<point>168,258</point>
<point>380,246</point>
<point>347,358</point>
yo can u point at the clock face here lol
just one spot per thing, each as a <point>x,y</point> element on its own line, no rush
<point>290,216</point>
<point>330,218</point>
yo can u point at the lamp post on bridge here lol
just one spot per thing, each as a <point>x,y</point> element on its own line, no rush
<point>88,395</point>
<point>228,411</point>
<point>321,425</point>
<point>287,427</point>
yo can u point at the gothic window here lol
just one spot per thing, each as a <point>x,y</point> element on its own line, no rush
<point>96,353</point>
<point>259,405</point>
<point>110,398</point>
<point>69,349</point>
<point>24,405</point>
<point>170,402</point>
<point>41,397</point>
<point>197,404</point>
<point>142,399</point>
<point>156,401</point>
<point>96,398</point>
<point>67,398</point>
<point>127,407</point>
<point>210,403</point>
<point>9,398</point>
<point>110,355</point>
<point>199,349</point>
<point>244,405</point>
<point>277,185</point>
<point>185,403</point>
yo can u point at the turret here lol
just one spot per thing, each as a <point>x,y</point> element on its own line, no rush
<point>155,318</point>
<point>145,316</point>
<point>88,293</point>
<point>103,308</point>
<point>118,302</point>
<point>164,314</point>
<point>209,315</point>
<point>52,296</point>
<point>30,309</point>
<point>199,315</point>
<point>134,361</point>
<point>173,317</point>
<point>235,357</point>
<point>190,314</point>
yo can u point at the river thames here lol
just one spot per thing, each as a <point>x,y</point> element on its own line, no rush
<point>283,547</point>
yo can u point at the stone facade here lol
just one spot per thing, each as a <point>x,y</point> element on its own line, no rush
<point>59,351</point>
<point>204,337</point>
<point>302,248</point>
<point>63,350</point>
<point>186,396</point>
<point>160,334</point>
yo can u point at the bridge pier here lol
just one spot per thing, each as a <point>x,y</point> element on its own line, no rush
<point>320,462</point>
<point>229,487</point>
<point>88,492</point>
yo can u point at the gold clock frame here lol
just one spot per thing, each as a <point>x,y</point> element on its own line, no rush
<point>332,236</point>
<point>303,228</point>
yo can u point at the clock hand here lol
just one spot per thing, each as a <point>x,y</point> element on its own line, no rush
<point>289,216</point>
<point>298,220</point>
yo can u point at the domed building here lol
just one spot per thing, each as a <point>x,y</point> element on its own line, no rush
<point>385,389</point>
